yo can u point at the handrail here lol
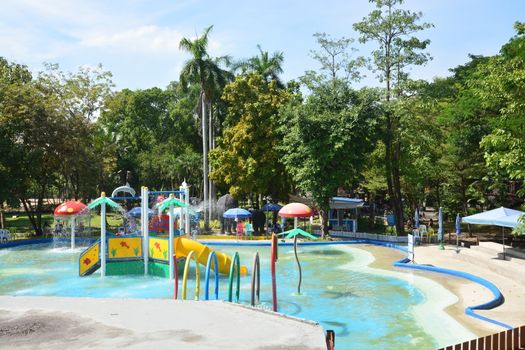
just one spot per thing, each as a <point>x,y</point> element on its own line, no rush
<point>207,278</point>
<point>273,258</point>
<point>235,262</point>
<point>256,271</point>
<point>193,255</point>
<point>175,278</point>
<point>298,264</point>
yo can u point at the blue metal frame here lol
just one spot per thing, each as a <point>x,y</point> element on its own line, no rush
<point>207,278</point>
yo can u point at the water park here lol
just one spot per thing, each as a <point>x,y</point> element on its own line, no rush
<point>262,176</point>
<point>355,287</point>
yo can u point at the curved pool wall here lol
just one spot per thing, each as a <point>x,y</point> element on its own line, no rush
<point>403,263</point>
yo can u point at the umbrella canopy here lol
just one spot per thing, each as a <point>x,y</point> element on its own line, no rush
<point>498,217</point>
<point>509,221</point>
<point>177,212</point>
<point>70,208</point>
<point>441,230</point>
<point>297,232</point>
<point>416,218</point>
<point>271,207</point>
<point>171,200</point>
<point>296,210</point>
<point>136,212</point>
<point>236,213</point>
<point>458,224</point>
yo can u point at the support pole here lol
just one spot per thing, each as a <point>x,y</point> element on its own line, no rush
<point>144,227</point>
<point>182,213</point>
<point>103,237</point>
<point>295,220</point>
<point>186,188</point>
<point>170,237</point>
<point>73,232</point>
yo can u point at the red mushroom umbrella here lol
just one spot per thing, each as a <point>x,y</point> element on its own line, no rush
<point>71,209</point>
<point>296,210</point>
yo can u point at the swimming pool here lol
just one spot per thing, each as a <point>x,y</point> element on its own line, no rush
<point>367,308</point>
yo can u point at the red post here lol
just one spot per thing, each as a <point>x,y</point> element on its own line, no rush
<point>273,259</point>
<point>330,339</point>
<point>175,278</point>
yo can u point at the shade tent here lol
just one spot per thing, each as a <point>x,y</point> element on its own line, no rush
<point>499,217</point>
<point>509,221</point>
<point>503,217</point>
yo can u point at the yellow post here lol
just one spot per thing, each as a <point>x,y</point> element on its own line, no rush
<point>191,255</point>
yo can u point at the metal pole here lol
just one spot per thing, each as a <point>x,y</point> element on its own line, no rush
<point>503,233</point>
<point>170,238</point>
<point>145,228</point>
<point>103,237</point>
<point>181,213</point>
<point>73,232</point>
<point>187,209</point>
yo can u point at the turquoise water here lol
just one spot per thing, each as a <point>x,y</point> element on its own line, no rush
<point>365,310</point>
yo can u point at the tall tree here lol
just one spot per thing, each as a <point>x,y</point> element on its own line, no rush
<point>392,29</point>
<point>206,72</point>
<point>500,84</point>
<point>326,139</point>
<point>246,159</point>
<point>264,64</point>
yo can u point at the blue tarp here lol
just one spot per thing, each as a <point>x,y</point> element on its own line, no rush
<point>500,217</point>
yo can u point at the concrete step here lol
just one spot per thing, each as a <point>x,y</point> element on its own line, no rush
<point>510,268</point>
<point>490,248</point>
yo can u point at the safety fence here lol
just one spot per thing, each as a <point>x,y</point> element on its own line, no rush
<point>364,235</point>
<point>512,339</point>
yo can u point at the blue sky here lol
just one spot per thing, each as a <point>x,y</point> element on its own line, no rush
<point>137,40</point>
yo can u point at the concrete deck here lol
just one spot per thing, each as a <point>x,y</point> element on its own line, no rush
<point>89,323</point>
<point>507,275</point>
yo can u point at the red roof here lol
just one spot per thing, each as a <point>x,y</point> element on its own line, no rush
<point>70,208</point>
<point>296,210</point>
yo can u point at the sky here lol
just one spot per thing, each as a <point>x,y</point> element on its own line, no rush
<point>137,40</point>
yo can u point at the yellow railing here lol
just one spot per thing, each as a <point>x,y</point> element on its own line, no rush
<point>191,255</point>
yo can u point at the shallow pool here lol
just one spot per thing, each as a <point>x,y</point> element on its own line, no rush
<point>366,310</point>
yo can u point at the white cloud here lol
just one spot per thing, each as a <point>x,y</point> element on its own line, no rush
<point>146,39</point>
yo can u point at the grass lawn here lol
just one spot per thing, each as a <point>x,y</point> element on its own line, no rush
<point>20,224</point>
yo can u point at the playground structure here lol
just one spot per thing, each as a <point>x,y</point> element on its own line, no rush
<point>146,254</point>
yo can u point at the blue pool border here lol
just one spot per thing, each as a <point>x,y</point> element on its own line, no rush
<point>403,263</point>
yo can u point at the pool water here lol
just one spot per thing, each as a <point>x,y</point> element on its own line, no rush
<point>365,310</point>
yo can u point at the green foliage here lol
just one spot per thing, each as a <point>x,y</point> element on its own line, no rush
<point>269,67</point>
<point>246,159</point>
<point>326,138</point>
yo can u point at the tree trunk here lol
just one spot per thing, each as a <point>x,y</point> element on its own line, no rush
<point>323,215</point>
<point>204,119</point>
<point>210,146</point>
<point>31,216</point>
<point>398,199</point>
<point>372,218</point>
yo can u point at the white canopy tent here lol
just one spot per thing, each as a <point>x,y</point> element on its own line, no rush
<point>503,217</point>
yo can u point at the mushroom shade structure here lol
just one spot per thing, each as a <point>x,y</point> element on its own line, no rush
<point>71,209</point>
<point>296,210</point>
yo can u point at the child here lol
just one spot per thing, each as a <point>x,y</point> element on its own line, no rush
<point>248,229</point>
<point>240,229</point>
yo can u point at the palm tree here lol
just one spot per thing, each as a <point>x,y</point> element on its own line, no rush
<point>268,66</point>
<point>204,71</point>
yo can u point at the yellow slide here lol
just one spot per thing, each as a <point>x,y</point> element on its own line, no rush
<point>183,246</point>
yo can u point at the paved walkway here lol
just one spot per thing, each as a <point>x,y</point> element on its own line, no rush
<point>88,323</point>
<point>508,276</point>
